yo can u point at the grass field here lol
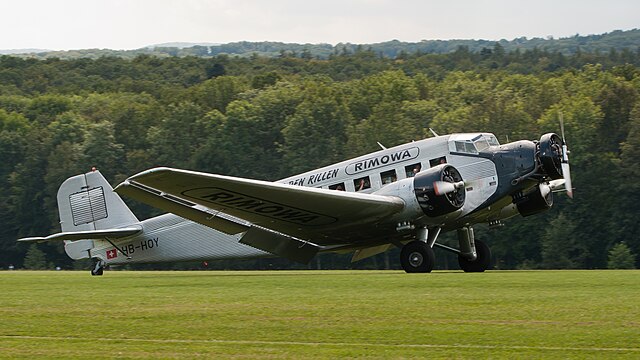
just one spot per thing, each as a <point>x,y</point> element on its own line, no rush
<point>320,314</point>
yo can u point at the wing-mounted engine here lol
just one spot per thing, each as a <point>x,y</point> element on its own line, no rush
<point>439,190</point>
<point>434,195</point>
<point>536,200</point>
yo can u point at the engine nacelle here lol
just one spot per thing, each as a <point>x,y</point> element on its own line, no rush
<point>536,200</point>
<point>432,204</point>
<point>421,200</point>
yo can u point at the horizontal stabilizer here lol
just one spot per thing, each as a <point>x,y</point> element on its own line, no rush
<point>280,244</point>
<point>86,235</point>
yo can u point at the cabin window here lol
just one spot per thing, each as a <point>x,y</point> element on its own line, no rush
<point>438,161</point>
<point>387,177</point>
<point>362,183</point>
<point>339,187</point>
<point>413,169</point>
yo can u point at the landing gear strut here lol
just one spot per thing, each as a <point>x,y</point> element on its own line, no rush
<point>417,256</point>
<point>482,261</point>
<point>98,268</point>
<point>474,255</point>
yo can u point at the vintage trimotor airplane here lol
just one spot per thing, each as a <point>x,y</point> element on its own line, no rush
<point>403,196</point>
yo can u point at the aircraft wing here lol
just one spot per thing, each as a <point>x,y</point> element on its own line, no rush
<point>310,214</point>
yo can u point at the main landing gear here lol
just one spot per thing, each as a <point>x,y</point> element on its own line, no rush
<point>417,256</point>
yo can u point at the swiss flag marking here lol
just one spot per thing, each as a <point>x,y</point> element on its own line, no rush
<point>113,253</point>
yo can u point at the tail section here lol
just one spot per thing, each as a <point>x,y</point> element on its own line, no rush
<point>87,202</point>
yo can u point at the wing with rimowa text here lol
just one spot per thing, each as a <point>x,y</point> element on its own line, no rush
<point>308,213</point>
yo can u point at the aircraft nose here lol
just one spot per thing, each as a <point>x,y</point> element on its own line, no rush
<point>516,160</point>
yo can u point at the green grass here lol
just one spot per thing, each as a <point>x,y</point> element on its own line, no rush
<point>320,314</point>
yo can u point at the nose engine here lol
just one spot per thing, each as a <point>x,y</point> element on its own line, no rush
<point>552,165</point>
<point>551,155</point>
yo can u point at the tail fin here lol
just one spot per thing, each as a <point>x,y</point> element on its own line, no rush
<point>89,210</point>
<point>87,202</point>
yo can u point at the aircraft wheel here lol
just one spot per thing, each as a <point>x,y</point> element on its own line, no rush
<point>481,263</point>
<point>98,269</point>
<point>417,257</point>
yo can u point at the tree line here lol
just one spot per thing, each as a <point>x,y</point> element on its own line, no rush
<point>271,117</point>
<point>601,43</point>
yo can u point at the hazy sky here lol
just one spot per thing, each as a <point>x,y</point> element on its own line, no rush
<point>131,24</point>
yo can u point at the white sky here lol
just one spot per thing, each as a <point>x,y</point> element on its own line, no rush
<point>132,24</point>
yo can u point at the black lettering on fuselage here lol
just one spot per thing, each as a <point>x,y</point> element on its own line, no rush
<point>382,160</point>
<point>144,245</point>
<point>323,176</point>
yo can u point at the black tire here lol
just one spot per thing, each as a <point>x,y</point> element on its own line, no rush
<point>98,268</point>
<point>417,257</point>
<point>481,263</point>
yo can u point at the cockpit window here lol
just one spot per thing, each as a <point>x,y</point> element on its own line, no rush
<point>481,144</point>
<point>466,147</point>
<point>492,140</point>
<point>484,141</point>
<point>472,143</point>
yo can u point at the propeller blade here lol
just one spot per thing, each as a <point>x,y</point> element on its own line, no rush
<point>444,187</point>
<point>566,173</point>
<point>562,127</point>
<point>567,179</point>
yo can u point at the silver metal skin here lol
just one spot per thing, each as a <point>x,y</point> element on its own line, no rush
<point>388,199</point>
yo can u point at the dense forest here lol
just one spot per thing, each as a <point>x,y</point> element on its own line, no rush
<point>270,117</point>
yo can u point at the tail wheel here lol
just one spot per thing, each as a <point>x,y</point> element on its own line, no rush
<point>481,263</point>
<point>98,268</point>
<point>417,257</point>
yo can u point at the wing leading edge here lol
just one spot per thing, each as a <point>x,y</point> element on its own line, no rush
<point>303,212</point>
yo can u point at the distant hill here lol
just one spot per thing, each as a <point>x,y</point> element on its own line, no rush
<point>618,40</point>
<point>22,51</point>
<point>180,45</point>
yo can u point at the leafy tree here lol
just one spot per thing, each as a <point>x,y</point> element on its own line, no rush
<point>620,257</point>
<point>177,135</point>
<point>218,92</point>
<point>560,247</point>
<point>315,135</point>
<point>35,259</point>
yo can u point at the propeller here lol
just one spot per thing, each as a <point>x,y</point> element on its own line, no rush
<point>566,174</point>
